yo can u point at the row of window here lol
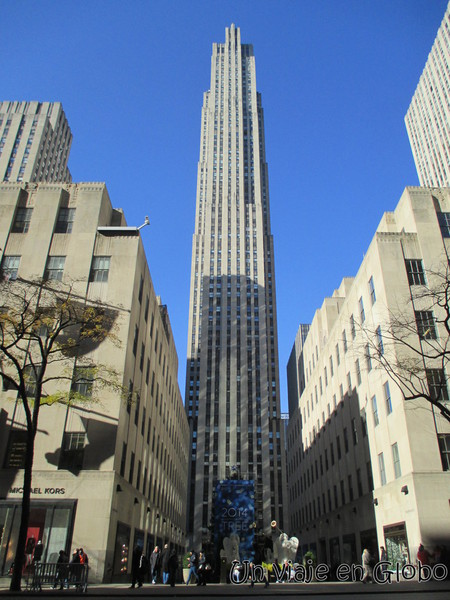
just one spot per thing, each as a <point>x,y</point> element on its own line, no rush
<point>55,268</point>
<point>64,222</point>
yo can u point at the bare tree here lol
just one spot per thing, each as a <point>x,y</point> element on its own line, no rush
<point>47,333</point>
<point>413,345</point>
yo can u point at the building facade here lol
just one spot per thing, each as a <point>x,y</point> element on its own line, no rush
<point>428,117</point>
<point>367,468</point>
<point>295,369</point>
<point>35,141</point>
<point>113,473</point>
<point>232,382</point>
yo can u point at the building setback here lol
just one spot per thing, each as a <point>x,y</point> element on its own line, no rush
<point>232,380</point>
<point>112,474</point>
<point>367,468</point>
<point>35,140</point>
<point>428,117</point>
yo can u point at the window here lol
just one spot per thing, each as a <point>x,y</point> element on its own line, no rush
<point>437,384</point>
<point>379,340</point>
<point>82,381</point>
<point>354,432</point>
<point>64,223</point>
<point>444,223</point>
<point>338,358</point>
<point>425,324</point>
<point>72,451</point>
<point>123,459</point>
<point>22,221</point>
<point>376,420</point>
<point>387,397</point>
<point>362,314</point>
<point>382,468</point>
<point>414,269</point>
<point>344,340</point>
<point>352,326</point>
<point>141,289</point>
<point>369,475</point>
<point>29,374</point>
<point>358,372</point>
<point>372,291</point>
<point>100,268</point>
<point>17,449</point>
<point>444,448</point>
<point>396,459</point>
<point>10,266</point>
<point>55,268</point>
<point>368,358</point>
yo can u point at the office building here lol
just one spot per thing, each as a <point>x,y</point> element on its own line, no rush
<point>232,383</point>
<point>428,117</point>
<point>367,468</point>
<point>35,140</point>
<point>295,369</point>
<point>110,474</point>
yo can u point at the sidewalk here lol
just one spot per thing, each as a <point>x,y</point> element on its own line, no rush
<point>227,590</point>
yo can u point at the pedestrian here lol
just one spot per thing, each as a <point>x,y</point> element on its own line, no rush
<point>155,562</point>
<point>165,563</point>
<point>383,559</point>
<point>422,555</point>
<point>201,571</point>
<point>173,567</point>
<point>193,562</point>
<point>84,560</point>
<point>74,566</point>
<point>138,567</point>
<point>62,571</point>
<point>366,560</point>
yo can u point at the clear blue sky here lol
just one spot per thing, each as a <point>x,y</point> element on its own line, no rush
<point>336,78</point>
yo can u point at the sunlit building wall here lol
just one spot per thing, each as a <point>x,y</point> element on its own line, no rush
<point>112,473</point>
<point>365,467</point>
<point>35,141</point>
<point>428,117</point>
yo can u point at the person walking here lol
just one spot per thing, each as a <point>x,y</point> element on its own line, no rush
<point>173,567</point>
<point>155,562</point>
<point>201,571</point>
<point>137,570</point>
<point>193,562</point>
<point>165,563</point>
<point>62,571</point>
<point>366,560</point>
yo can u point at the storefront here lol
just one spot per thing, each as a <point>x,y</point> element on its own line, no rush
<point>51,523</point>
<point>396,542</point>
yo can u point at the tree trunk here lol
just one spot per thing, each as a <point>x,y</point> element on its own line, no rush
<point>19,558</point>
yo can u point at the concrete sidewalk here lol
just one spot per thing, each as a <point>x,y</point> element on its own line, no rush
<point>226,590</point>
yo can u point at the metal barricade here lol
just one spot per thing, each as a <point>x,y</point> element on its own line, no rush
<point>62,575</point>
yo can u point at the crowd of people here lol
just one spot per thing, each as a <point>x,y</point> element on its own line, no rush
<point>160,566</point>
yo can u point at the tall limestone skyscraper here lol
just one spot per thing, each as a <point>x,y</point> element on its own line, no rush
<point>428,117</point>
<point>232,382</point>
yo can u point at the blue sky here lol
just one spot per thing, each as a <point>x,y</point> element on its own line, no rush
<point>336,78</point>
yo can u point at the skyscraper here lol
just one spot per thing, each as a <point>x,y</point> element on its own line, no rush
<point>232,382</point>
<point>35,140</point>
<point>428,117</point>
